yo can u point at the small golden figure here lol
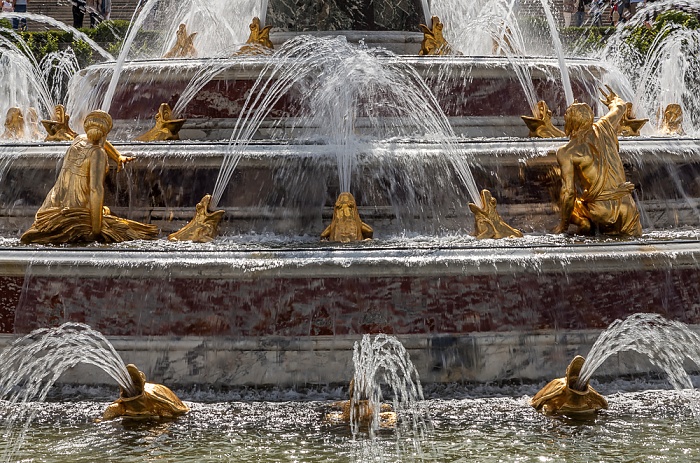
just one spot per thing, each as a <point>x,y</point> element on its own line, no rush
<point>592,157</point>
<point>59,128</point>
<point>258,42</point>
<point>488,223</point>
<point>166,127</point>
<point>434,42</point>
<point>672,120</point>
<point>184,44</point>
<point>346,225</point>
<point>74,210</point>
<point>361,411</point>
<point>560,396</point>
<point>33,124</point>
<point>14,124</point>
<point>152,401</point>
<point>203,227</point>
<point>630,127</point>
<point>541,124</point>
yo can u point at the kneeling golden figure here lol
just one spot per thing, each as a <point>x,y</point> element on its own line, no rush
<point>346,225</point>
<point>560,396</point>
<point>488,222</point>
<point>152,401</point>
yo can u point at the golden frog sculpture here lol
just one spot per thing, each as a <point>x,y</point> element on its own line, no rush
<point>434,42</point>
<point>258,42</point>
<point>488,223</point>
<point>346,225</point>
<point>59,129</point>
<point>152,401</point>
<point>630,126</point>
<point>14,124</point>
<point>363,412</point>
<point>203,227</point>
<point>672,120</point>
<point>560,396</point>
<point>184,44</point>
<point>166,128</point>
<point>540,124</point>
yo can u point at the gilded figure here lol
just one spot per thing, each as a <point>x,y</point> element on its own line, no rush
<point>488,223</point>
<point>184,44</point>
<point>74,210</point>
<point>346,225</point>
<point>165,128</point>
<point>258,42</point>
<point>434,42</point>
<point>561,396</point>
<point>152,401</point>
<point>203,227</point>
<point>672,120</point>
<point>630,126</point>
<point>361,411</point>
<point>592,159</point>
<point>540,124</point>
<point>14,124</point>
<point>59,128</point>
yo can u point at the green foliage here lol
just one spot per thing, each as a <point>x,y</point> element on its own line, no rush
<point>5,23</point>
<point>641,38</point>
<point>585,39</point>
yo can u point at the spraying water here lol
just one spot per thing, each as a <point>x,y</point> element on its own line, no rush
<point>565,80</point>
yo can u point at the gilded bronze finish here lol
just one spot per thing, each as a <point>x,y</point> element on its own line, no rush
<point>346,225</point>
<point>361,411</point>
<point>434,42</point>
<point>540,124</point>
<point>630,126</point>
<point>14,124</point>
<point>166,128</point>
<point>152,401</point>
<point>203,227</point>
<point>591,159</point>
<point>488,223</point>
<point>184,44</point>
<point>258,42</point>
<point>560,396</point>
<point>672,120</point>
<point>74,211</point>
<point>59,128</point>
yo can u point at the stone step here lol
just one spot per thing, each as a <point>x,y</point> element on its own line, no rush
<point>62,10</point>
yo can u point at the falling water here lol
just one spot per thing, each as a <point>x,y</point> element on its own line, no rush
<point>565,80</point>
<point>426,12</point>
<point>57,68</point>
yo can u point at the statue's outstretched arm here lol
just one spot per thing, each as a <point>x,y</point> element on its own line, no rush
<point>116,156</point>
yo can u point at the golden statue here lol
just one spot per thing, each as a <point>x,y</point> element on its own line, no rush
<point>58,128</point>
<point>592,157</point>
<point>434,42</point>
<point>14,124</point>
<point>203,227</point>
<point>346,225</point>
<point>488,223</point>
<point>184,44</point>
<point>630,126</point>
<point>672,120</point>
<point>258,42</point>
<point>166,127</point>
<point>74,210</point>
<point>560,396</point>
<point>362,411</point>
<point>33,124</point>
<point>541,124</point>
<point>152,401</point>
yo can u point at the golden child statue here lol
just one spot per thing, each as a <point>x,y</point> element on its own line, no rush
<point>540,123</point>
<point>672,120</point>
<point>166,128</point>
<point>59,128</point>
<point>14,125</point>
<point>258,42</point>
<point>592,158</point>
<point>74,211</point>
<point>434,42</point>
<point>184,44</point>
<point>346,225</point>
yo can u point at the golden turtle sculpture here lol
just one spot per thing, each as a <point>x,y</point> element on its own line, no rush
<point>153,401</point>
<point>560,396</point>
<point>363,412</point>
<point>346,225</point>
<point>488,223</point>
<point>540,123</point>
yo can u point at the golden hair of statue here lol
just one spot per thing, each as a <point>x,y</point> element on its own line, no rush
<point>203,227</point>
<point>434,42</point>
<point>14,124</point>
<point>360,411</point>
<point>540,124</point>
<point>672,120</point>
<point>561,397</point>
<point>32,123</point>
<point>58,128</point>
<point>630,126</point>
<point>166,128</point>
<point>591,159</point>
<point>184,44</point>
<point>258,42</point>
<point>346,225</point>
<point>152,401</point>
<point>488,223</point>
<point>74,211</point>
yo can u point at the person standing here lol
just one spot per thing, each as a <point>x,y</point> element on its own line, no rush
<point>634,4</point>
<point>20,6</point>
<point>580,14</point>
<point>78,13</point>
<point>569,10</point>
<point>105,9</point>
<point>93,10</point>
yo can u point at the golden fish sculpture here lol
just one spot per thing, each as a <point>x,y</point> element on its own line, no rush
<point>488,223</point>
<point>434,43</point>
<point>560,396</point>
<point>258,42</point>
<point>630,126</point>
<point>165,128</point>
<point>540,123</point>
<point>203,227</point>
<point>184,44</point>
<point>58,128</point>
<point>346,225</point>
<point>152,401</point>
